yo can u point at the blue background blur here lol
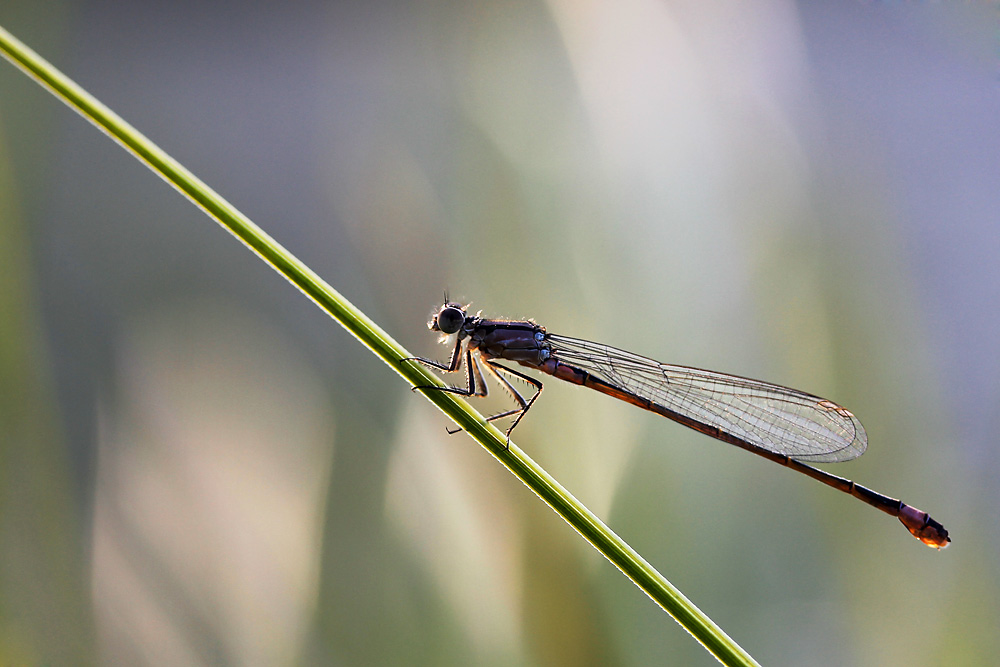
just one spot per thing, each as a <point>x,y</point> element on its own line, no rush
<point>199,467</point>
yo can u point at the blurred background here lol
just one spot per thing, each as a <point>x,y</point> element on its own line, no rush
<point>199,467</point>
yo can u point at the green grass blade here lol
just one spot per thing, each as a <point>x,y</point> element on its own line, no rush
<point>379,342</point>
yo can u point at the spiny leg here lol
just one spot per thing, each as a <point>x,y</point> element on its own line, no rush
<point>477,383</point>
<point>508,386</point>
<point>475,363</point>
<point>522,404</point>
<point>451,367</point>
<point>525,405</point>
<point>476,386</point>
<point>472,389</point>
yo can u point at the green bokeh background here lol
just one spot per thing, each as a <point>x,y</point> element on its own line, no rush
<point>198,467</point>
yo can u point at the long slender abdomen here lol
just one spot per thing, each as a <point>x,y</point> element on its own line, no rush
<point>918,522</point>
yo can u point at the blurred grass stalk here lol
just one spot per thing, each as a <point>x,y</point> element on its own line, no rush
<point>379,342</point>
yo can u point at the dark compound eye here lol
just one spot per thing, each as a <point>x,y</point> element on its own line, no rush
<point>450,319</point>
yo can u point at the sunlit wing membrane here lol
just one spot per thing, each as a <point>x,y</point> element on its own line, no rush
<point>779,419</point>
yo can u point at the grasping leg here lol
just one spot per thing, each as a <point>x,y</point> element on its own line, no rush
<point>524,405</point>
<point>477,383</point>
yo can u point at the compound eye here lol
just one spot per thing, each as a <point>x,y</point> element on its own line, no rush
<point>450,319</point>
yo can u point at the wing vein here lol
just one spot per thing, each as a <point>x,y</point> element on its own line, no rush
<point>779,419</point>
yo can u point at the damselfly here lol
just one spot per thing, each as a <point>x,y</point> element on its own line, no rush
<point>783,425</point>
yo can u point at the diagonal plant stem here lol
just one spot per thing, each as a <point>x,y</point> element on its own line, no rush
<point>378,341</point>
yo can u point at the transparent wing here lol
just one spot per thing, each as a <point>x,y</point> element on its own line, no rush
<point>776,418</point>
